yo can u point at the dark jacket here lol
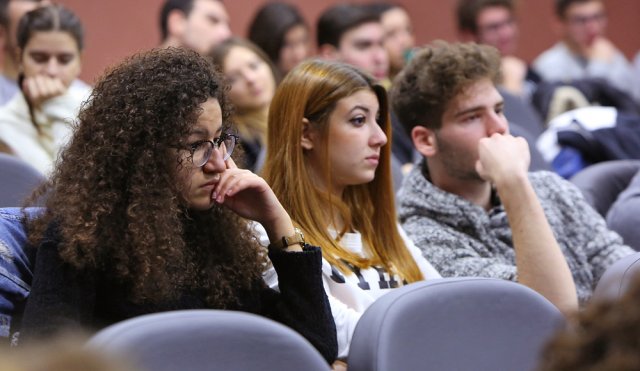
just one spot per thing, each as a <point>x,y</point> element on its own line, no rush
<point>62,296</point>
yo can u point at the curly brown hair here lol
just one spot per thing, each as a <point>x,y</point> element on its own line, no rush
<point>437,74</point>
<point>605,337</point>
<point>113,196</point>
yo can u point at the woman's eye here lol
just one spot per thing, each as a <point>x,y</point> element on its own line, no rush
<point>194,146</point>
<point>358,120</point>
<point>254,65</point>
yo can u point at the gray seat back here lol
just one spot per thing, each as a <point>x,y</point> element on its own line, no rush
<point>17,180</point>
<point>616,278</point>
<point>454,324</point>
<point>601,183</point>
<point>208,340</point>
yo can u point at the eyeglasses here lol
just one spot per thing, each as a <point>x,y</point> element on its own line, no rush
<point>494,27</point>
<point>202,150</point>
<point>583,19</point>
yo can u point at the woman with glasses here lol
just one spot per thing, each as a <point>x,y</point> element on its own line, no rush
<point>146,212</point>
<point>329,163</point>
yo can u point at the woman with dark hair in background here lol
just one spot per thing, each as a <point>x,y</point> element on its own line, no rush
<point>279,29</point>
<point>35,124</point>
<point>147,212</point>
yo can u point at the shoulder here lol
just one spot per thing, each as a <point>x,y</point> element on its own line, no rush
<point>551,55</point>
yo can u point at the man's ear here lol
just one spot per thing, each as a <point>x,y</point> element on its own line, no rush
<point>328,52</point>
<point>307,139</point>
<point>176,23</point>
<point>424,140</point>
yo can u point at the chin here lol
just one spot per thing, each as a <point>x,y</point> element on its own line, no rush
<point>200,204</point>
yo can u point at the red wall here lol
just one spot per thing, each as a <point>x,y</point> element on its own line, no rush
<point>116,28</point>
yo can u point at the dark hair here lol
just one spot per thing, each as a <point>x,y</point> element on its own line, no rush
<point>467,12</point>
<point>50,18</point>
<point>4,16</point>
<point>184,6</point>
<point>381,7</point>
<point>113,194</point>
<point>561,6</point>
<point>4,12</point>
<point>270,26</point>
<point>437,74</point>
<point>604,336</point>
<point>338,19</point>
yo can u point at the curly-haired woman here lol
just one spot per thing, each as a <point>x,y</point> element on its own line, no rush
<point>146,212</point>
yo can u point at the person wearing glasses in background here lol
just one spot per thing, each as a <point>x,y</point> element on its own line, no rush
<point>147,212</point>
<point>584,51</point>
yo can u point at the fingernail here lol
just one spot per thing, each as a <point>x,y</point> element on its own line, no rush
<point>214,195</point>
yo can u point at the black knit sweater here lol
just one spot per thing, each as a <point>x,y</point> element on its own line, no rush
<point>62,297</point>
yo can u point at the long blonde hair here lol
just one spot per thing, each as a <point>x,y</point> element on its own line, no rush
<point>311,91</point>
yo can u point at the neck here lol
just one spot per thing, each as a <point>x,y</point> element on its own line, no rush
<point>476,191</point>
<point>575,48</point>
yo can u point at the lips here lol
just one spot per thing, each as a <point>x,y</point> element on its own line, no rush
<point>374,159</point>
<point>212,183</point>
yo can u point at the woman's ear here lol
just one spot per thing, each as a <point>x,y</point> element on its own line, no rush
<point>308,136</point>
<point>424,140</point>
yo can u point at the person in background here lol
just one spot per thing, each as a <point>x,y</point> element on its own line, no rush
<point>353,34</point>
<point>253,79</point>
<point>584,50</point>
<point>328,160</point>
<point>398,34</point>
<point>10,14</point>
<point>280,30</point>
<point>493,22</point>
<point>195,24</point>
<point>147,212</point>
<point>37,122</point>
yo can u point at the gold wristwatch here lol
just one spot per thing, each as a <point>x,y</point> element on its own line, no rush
<point>296,238</point>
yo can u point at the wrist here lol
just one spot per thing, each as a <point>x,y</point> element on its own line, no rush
<point>279,226</point>
<point>511,181</point>
<point>293,242</point>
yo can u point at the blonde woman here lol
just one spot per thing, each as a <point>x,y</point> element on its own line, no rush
<point>329,163</point>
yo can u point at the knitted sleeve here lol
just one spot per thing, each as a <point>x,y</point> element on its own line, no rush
<point>302,303</point>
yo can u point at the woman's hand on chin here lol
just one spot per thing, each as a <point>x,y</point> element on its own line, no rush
<point>249,196</point>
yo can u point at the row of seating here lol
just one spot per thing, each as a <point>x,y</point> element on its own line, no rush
<point>445,324</point>
<point>465,323</point>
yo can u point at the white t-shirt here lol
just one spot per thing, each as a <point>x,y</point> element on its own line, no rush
<point>351,294</point>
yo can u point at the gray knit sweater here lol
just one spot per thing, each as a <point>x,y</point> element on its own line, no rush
<point>462,239</point>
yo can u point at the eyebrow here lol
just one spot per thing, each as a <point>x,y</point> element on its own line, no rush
<point>360,107</point>
<point>199,131</point>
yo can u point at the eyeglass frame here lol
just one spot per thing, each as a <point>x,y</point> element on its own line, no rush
<point>215,145</point>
